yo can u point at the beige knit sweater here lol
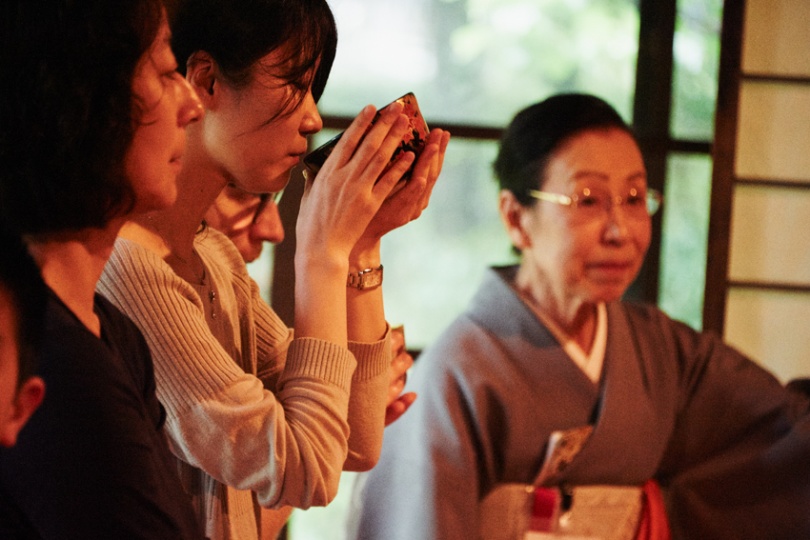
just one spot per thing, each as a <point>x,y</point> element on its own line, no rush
<point>254,416</point>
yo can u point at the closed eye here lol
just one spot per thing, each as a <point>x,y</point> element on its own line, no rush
<point>588,198</point>
<point>636,198</point>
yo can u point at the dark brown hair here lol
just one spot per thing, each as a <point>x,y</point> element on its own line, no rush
<point>239,34</point>
<point>539,130</point>
<point>67,110</point>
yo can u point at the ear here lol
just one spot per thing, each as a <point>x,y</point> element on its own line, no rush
<point>201,73</point>
<point>29,397</point>
<point>513,215</point>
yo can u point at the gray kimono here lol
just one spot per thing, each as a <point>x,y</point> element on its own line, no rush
<point>728,444</point>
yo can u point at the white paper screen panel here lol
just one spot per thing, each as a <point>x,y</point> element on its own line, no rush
<point>771,328</point>
<point>770,236</point>
<point>773,138</point>
<point>777,39</point>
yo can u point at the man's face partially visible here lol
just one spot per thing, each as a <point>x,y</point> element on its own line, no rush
<point>17,402</point>
<point>247,219</point>
<point>9,361</point>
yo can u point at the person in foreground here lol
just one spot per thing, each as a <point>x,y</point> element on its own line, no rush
<point>22,307</point>
<point>251,219</point>
<point>91,133</point>
<point>547,347</point>
<point>258,415</point>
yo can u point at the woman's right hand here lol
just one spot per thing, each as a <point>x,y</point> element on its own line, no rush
<point>336,208</point>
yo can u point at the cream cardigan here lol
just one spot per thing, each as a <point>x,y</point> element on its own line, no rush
<point>253,415</point>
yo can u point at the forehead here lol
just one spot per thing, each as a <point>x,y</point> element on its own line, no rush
<point>158,56</point>
<point>277,65</point>
<point>161,46</point>
<point>606,154</point>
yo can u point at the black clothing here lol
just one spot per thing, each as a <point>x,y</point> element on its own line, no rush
<point>92,462</point>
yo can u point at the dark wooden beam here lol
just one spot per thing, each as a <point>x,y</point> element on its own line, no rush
<point>651,120</point>
<point>723,177</point>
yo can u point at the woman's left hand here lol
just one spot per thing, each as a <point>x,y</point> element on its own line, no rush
<point>398,402</point>
<point>409,200</point>
<point>398,407</point>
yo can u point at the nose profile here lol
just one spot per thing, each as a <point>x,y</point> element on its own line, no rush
<point>267,226</point>
<point>311,122</point>
<point>191,108</point>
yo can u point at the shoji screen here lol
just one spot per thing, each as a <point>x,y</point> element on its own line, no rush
<point>767,285</point>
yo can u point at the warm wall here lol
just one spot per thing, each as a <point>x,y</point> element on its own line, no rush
<point>768,298</point>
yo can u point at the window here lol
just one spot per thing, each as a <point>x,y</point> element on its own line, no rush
<point>684,242</point>
<point>472,65</point>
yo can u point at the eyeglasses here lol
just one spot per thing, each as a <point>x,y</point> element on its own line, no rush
<point>264,200</point>
<point>593,203</point>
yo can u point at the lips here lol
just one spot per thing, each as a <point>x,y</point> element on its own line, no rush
<point>177,154</point>
<point>176,162</point>
<point>611,269</point>
<point>612,265</point>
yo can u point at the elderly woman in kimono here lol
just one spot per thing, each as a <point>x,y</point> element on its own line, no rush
<point>547,351</point>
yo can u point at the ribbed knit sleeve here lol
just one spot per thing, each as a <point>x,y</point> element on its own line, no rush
<point>288,446</point>
<point>368,401</point>
<point>369,385</point>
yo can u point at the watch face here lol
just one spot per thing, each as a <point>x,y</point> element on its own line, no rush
<point>372,279</point>
<point>366,279</point>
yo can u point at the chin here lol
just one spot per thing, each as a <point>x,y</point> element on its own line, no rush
<point>249,252</point>
<point>251,257</point>
<point>608,294</point>
<point>155,202</point>
<point>270,180</point>
<point>617,295</point>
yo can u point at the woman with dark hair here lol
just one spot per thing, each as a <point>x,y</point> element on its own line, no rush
<point>550,394</point>
<point>92,132</point>
<point>257,415</point>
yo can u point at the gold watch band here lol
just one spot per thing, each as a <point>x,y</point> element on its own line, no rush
<point>366,279</point>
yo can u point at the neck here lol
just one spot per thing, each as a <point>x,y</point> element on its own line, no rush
<point>172,230</point>
<point>71,264</point>
<point>574,317</point>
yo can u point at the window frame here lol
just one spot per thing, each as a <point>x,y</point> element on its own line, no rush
<point>652,111</point>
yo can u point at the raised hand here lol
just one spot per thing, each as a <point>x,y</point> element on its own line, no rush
<point>410,198</point>
<point>398,402</point>
<point>348,191</point>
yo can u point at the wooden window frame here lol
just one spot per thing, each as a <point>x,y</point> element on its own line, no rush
<point>651,121</point>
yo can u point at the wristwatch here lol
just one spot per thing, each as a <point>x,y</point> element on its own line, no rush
<point>366,279</point>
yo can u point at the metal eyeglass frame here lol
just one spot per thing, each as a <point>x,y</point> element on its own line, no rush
<point>653,198</point>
